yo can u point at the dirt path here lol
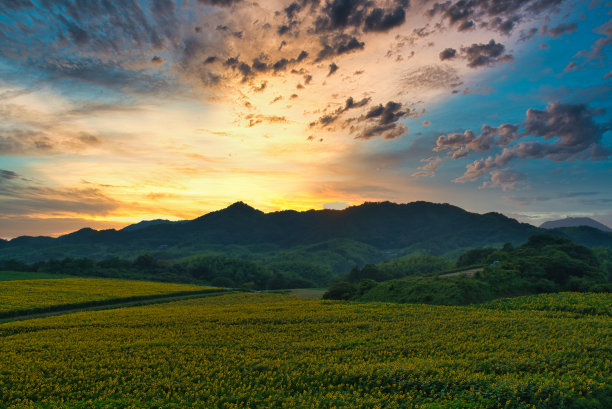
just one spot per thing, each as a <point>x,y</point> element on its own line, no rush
<point>111,306</point>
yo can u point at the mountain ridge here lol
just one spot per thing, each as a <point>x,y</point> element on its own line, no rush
<point>575,222</point>
<point>434,228</point>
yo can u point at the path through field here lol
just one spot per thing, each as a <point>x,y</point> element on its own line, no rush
<point>113,305</point>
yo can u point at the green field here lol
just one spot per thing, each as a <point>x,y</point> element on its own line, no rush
<point>41,294</point>
<point>280,351</point>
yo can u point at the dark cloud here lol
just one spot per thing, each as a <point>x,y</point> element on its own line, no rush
<point>292,10</point>
<point>210,60</point>
<point>349,104</point>
<point>78,35</point>
<point>479,55</point>
<point>387,114</point>
<point>259,65</point>
<point>332,69</point>
<point>219,3</point>
<point>447,54</point>
<point>280,65</point>
<point>466,25</point>
<point>157,59</point>
<point>568,133</point>
<point>281,30</point>
<point>559,30</point>
<point>382,120</point>
<point>503,26</point>
<point>338,14</point>
<point>338,45</point>
<point>8,174</point>
<point>379,20</point>
<point>501,16</point>
<point>302,56</point>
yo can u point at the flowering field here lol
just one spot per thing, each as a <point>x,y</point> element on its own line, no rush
<point>273,351</point>
<point>579,303</point>
<point>39,294</point>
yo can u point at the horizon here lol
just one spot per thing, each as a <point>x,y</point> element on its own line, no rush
<point>114,113</point>
<point>59,234</point>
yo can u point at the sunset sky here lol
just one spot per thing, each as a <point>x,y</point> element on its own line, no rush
<point>113,112</point>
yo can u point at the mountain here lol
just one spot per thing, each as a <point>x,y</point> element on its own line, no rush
<point>371,230</point>
<point>146,223</point>
<point>575,222</point>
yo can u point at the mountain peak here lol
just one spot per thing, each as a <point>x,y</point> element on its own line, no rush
<point>240,205</point>
<point>575,222</point>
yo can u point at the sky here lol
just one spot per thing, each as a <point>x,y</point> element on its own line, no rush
<point>114,112</point>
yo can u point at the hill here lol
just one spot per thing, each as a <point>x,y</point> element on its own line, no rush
<point>370,232</point>
<point>575,222</point>
<point>544,264</point>
<point>435,228</point>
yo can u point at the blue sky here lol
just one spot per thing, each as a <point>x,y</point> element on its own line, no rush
<point>118,112</point>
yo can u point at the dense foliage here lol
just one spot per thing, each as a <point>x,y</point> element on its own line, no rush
<point>273,351</point>
<point>544,264</point>
<point>213,270</point>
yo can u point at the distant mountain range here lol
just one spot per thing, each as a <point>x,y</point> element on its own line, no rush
<point>575,222</point>
<point>239,230</point>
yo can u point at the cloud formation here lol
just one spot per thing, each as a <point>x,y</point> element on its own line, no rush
<point>561,132</point>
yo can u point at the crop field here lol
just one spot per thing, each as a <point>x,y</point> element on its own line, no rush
<point>274,351</point>
<point>43,293</point>
<point>579,303</point>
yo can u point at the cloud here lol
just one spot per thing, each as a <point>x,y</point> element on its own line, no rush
<point>501,16</point>
<point>422,173</point>
<point>431,164</point>
<point>332,69</point>
<point>7,175</point>
<point>479,55</point>
<point>431,77</point>
<point>571,67</point>
<point>20,197</point>
<point>379,20</point>
<point>338,45</point>
<point>382,120</point>
<point>460,144</point>
<point>219,3</point>
<point>568,133</point>
<point>447,54</point>
<point>350,103</point>
<point>388,131</point>
<point>506,179</point>
<point>559,30</point>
